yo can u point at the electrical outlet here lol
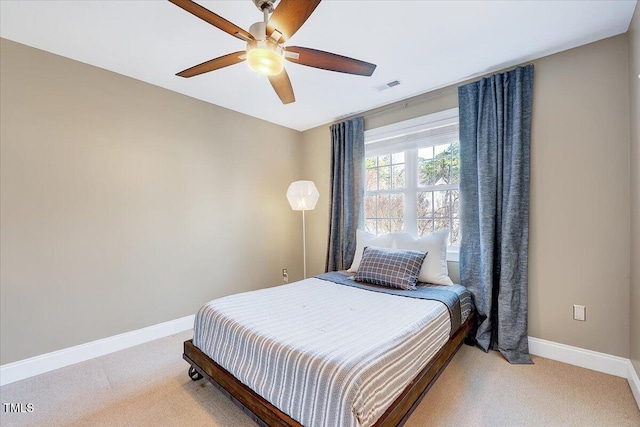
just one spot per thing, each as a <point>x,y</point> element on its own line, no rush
<point>579,312</point>
<point>285,276</point>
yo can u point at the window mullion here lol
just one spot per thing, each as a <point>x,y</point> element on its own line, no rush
<point>439,187</point>
<point>410,202</point>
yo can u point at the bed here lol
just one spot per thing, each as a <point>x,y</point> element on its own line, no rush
<point>329,351</point>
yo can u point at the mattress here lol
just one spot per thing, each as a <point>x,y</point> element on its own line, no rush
<point>325,354</point>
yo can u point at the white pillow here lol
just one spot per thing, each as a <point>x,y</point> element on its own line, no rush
<point>434,268</point>
<point>364,239</point>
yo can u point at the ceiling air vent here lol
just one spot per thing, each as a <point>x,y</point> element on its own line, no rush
<point>387,85</point>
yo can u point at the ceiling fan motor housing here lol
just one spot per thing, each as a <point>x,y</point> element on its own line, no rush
<point>259,30</point>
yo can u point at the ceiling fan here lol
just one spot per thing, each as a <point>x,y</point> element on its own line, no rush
<point>265,52</point>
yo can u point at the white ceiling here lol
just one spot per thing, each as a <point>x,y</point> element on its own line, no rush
<point>423,44</point>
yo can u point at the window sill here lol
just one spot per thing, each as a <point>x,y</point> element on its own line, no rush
<point>453,254</point>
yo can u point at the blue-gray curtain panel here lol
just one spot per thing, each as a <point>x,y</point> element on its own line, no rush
<point>495,134</point>
<point>347,192</point>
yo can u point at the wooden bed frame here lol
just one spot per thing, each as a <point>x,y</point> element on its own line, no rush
<point>266,414</point>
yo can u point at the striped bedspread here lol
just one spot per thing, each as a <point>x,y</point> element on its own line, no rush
<point>456,297</point>
<point>326,354</point>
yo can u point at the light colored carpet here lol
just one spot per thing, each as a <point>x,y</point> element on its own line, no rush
<point>148,385</point>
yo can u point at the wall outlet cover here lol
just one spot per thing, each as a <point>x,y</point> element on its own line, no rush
<point>579,312</point>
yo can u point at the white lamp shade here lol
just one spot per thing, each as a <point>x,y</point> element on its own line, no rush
<point>303,195</point>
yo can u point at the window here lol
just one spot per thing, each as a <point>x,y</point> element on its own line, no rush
<point>412,177</point>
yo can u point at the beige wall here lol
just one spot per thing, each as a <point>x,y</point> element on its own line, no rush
<point>634,81</point>
<point>124,205</point>
<point>316,163</point>
<point>580,209</point>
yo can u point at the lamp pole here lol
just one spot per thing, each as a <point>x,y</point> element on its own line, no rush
<point>304,246</point>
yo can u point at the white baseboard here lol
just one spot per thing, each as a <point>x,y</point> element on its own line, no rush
<point>596,361</point>
<point>601,362</point>
<point>26,368</point>
<point>634,382</point>
<point>11,372</point>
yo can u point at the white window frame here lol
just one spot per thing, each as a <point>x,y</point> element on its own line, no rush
<point>409,136</point>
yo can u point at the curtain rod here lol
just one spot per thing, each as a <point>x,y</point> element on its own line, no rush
<point>438,91</point>
<point>405,103</point>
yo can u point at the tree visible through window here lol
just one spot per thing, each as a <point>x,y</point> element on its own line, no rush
<point>384,201</point>
<point>415,190</point>
<point>438,190</point>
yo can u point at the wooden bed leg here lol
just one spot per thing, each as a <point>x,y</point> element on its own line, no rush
<point>470,338</point>
<point>194,375</point>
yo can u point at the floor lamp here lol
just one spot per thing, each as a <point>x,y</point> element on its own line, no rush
<point>303,196</point>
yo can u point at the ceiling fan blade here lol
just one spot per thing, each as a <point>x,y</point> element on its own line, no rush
<point>213,19</point>
<point>214,64</point>
<point>289,15</point>
<point>282,85</point>
<point>330,61</point>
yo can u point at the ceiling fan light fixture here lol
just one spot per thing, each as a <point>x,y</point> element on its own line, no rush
<point>265,51</point>
<point>265,57</point>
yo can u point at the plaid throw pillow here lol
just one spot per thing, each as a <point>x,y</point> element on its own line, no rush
<point>394,268</point>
